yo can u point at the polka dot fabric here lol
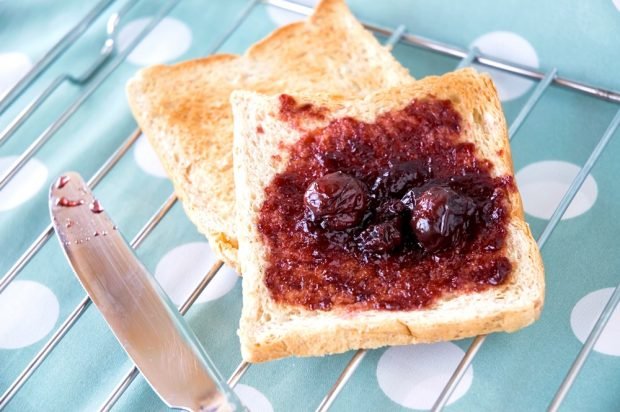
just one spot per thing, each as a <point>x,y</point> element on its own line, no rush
<point>413,376</point>
<point>181,269</point>
<point>147,159</point>
<point>544,184</point>
<point>584,316</point>
<point>507,45</point>
<point>26,183</point>
<point>512,372</point>
<point>28,312</point>
<point>168,40</point>
<point>12,67</point>
<point>253,399</point>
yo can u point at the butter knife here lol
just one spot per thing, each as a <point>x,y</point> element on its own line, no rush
<point>138,311</point>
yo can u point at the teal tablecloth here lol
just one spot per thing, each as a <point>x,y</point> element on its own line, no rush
<point>515,372</point>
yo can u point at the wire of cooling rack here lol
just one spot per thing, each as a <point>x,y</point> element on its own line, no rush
<point>585,351</point>
<point>87,92</point>
<point>58,123</point>
<point>460,52</point>
<point>105,54</point>
<point>469,58</point>
<point>53,54</point>
<point>395,36</point>
<point>144,232</point>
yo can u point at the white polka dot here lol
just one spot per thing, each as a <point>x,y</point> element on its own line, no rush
<point>585,314</point>
<point>617,4</point>
<point>25,184</point>
<point>252,399</point>
<point>543,184</point>
<point>181,269</point>
<point>28,312</point>
<point>509,46</point>
<point>167,41</point>
<point>147,159</point>
<point>281,17</point>
<point>413,376</point>
<point>13,66</point>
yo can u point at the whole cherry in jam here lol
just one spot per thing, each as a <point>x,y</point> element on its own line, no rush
<point>400,177</point>
<point>336,201</point>
<point>441,217</point>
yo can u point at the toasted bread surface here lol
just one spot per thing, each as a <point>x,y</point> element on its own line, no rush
<point>270,330</point>
<point>185,113</point>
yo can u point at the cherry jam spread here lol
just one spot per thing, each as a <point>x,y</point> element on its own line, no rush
<point>388,215</point>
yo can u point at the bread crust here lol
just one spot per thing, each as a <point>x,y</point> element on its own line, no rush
<point>184,109</point>
<point>269,330</point>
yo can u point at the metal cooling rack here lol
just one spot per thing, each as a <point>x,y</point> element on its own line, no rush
<point>110,58</point>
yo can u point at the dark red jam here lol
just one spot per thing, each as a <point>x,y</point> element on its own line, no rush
<point>96,207</point>
<point>62,181</point>
<point>387,215</point>
<point>64,202</point>
<point>292,111</point>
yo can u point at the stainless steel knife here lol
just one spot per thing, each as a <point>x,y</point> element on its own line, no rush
<point>143,319</point>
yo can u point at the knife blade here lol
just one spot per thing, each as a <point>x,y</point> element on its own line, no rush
<point>138,311</point>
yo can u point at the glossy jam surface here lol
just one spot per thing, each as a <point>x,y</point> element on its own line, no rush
<point>96,207</point>
<point>64,202</point>
<point>62,181</point>
<point>388,215</point>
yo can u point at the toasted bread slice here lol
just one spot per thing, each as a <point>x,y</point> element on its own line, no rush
<point>270,330</point>
<point>185,113</point>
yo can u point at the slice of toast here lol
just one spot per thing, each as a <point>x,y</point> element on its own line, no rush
<point>270,330</point>
<point>185,113</point>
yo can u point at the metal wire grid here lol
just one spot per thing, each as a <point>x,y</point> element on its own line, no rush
<point>109,59</point>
